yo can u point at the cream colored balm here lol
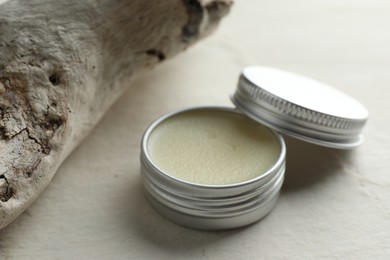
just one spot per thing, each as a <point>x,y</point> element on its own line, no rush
<point>212,147</point>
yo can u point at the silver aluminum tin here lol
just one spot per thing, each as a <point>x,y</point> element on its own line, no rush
<point>210,207</point>
<point>294,119</point>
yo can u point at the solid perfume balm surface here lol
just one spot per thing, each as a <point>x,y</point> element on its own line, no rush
<point>212,147</point>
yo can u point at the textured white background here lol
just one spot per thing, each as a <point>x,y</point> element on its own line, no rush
<point>334,204</point>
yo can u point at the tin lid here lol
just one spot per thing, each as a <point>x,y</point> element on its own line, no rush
<point>300,107</point>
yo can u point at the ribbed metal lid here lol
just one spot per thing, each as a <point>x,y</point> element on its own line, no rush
<point>300,107</point>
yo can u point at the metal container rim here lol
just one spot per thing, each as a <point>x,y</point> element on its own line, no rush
<point>146,157</point>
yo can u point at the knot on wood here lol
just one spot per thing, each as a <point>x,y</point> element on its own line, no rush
<point>54,79</point>
<point>6,192</point>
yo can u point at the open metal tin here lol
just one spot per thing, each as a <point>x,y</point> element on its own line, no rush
<point>286,102</point>
<point>211,207</point>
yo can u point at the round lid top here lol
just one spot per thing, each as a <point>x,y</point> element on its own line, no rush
<point>301,107</point>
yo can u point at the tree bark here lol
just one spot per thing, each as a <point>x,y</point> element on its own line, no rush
<point>62,65</point>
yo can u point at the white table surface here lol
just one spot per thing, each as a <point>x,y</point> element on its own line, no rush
<point>334,204</point>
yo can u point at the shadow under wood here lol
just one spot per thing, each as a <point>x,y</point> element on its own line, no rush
<point>308,164</point>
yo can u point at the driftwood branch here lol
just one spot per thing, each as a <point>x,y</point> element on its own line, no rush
<point>64,62</point>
